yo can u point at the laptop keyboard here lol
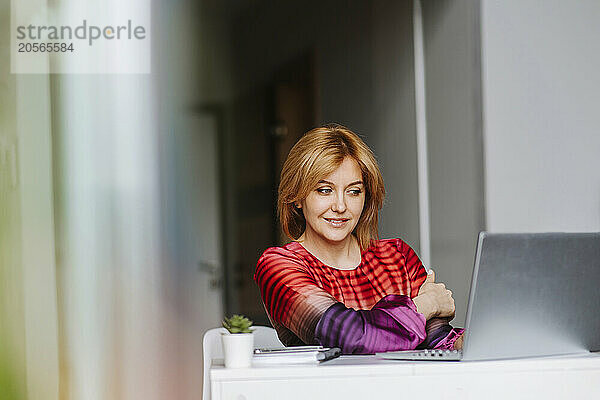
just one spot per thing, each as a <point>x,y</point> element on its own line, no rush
<point>425,355</point>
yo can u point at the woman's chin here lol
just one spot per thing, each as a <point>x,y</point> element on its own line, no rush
<point>330,235</point>
<point>337,237</point>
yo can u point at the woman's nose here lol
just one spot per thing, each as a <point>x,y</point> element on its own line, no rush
<point>339,204</point>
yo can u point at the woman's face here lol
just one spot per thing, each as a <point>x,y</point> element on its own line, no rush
<point>333,208</point>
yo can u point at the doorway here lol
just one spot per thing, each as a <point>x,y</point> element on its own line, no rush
<point>268,120</point>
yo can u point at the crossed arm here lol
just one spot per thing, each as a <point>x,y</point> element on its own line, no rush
<point>397,322</point>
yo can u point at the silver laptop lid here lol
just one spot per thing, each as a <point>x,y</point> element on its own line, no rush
<point>534,295</point>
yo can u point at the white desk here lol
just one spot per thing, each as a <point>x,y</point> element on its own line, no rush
<point>369,378</point>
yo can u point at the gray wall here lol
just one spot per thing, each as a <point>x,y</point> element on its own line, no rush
<point>394,123</point>
<point>541,81</point>
<point>453,98</point>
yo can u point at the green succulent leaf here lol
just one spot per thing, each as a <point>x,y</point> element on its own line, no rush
<point>237,324</point>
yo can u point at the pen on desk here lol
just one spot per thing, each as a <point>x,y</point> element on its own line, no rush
<point>289,349</point>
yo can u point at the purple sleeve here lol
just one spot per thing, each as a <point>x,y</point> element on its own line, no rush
<point>392,324</point>
<point>447,342</point>
<point>440,334</point>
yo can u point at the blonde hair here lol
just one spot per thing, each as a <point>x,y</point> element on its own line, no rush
<point>316,155</point>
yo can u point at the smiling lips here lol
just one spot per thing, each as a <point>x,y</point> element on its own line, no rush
<point>337,222</point>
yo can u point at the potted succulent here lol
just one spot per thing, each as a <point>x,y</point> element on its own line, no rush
<point>238,342</point>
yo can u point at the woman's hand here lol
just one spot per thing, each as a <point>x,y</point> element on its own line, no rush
<point>434,300</point>
<point>458,345</point>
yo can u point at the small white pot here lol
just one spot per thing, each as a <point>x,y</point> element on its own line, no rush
<point>238,349</point>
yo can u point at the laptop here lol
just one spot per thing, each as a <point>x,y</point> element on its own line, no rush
<point>532,295</point>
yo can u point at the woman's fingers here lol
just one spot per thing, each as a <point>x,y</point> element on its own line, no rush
<point>430,276</point>
<point>458,345</point>
<point>430,286</point>
<point>446,304</point>
<point>439,296</point>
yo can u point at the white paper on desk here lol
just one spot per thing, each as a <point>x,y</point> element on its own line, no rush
<point>296,357</point>
<point>290,350</point>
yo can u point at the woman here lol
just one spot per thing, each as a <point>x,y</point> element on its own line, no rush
<point>335,284</point>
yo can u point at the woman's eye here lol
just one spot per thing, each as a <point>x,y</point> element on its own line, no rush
<point>355,192</point>
<point>324,190</point>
